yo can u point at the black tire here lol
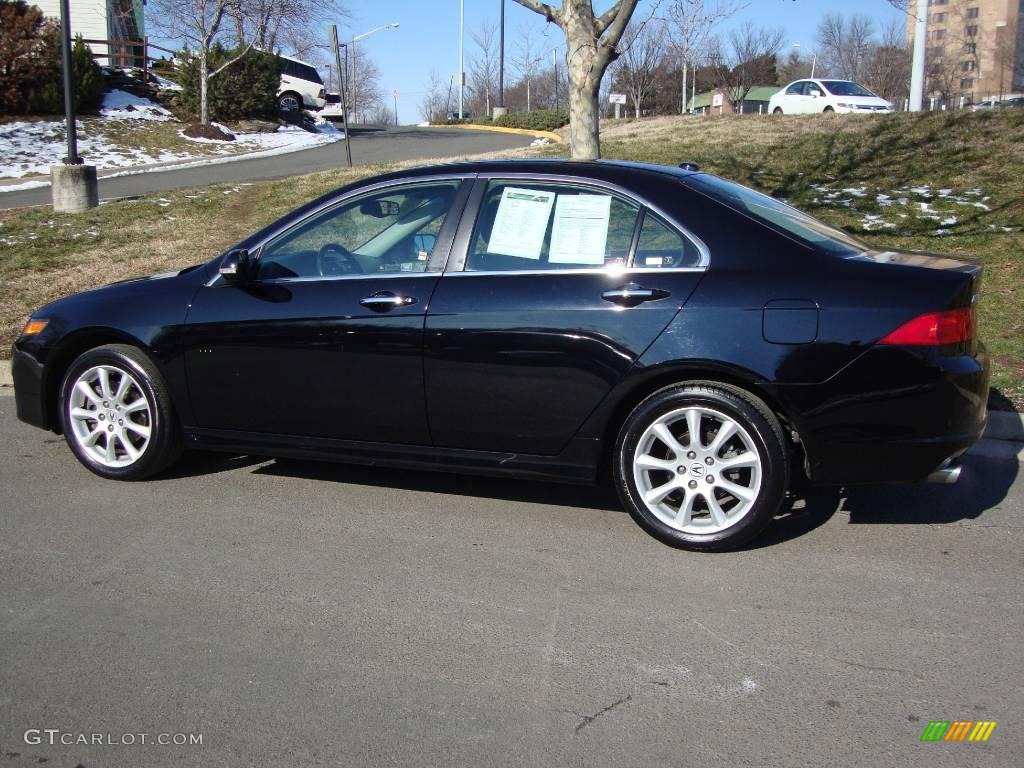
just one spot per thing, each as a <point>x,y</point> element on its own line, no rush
<point>762,430</point>
<point>777,111</point>
<point>164,443</point>
<point>826,110</point>
<point>285,102</point>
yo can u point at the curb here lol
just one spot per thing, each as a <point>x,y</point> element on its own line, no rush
<point>1003,440</point>
<point>551,135</point>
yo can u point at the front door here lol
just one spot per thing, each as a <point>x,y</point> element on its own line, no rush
<point>563,286</point>
<point>325,338</point>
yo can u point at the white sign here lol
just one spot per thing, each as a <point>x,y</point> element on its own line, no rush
<point>716,100</point>
<point>616,98</point>
<point>521,222</point>
<point>580,231</point>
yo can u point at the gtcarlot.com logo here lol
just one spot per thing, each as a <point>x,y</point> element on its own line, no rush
<point>55,736</point>
<point>958,730</point>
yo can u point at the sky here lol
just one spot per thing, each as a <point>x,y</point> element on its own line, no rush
<point>428,34</point>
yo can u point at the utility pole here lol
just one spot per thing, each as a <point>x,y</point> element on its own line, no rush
<point>73,185</point>
<point>462,67</point>
<point>69,86</point>
<point>554,68</point>
<point>917,67</point>
<point>341,92</point>
<point>501,60</point>
<point>395,94</point>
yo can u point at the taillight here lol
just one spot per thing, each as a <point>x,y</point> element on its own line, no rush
<point>934,329</point>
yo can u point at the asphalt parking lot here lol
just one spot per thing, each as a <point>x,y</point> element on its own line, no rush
<point>298,614</point>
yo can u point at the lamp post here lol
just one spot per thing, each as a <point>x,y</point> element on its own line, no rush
<point>352,44</point>
<point>814,60</point>
<point>462,63</point>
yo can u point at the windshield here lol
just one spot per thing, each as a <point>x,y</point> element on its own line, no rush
<point>845,88</point>
<point>797,224</point>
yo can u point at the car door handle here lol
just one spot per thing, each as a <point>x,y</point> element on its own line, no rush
<point>382,301</point>
<point>632,294</point>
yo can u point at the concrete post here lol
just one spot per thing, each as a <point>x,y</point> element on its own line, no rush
<point>500,112</point>
<point>74,188</point>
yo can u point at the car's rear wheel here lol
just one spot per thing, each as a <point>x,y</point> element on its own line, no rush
<point>701,466</point>
<point>826,110</point>
<point>289,102</point>
<point>778,111</point>
<point>117,415</point>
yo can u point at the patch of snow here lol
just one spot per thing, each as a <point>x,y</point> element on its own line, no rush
<point>855,191</point>
<point>540,141</point>
<point>121,105</point>
<point>163,83</point>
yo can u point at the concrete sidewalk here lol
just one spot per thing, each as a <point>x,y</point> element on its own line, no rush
<point>1004,437</point>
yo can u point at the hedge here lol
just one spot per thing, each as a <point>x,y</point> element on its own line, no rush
<point>246,89</point>
<point>539,120</point>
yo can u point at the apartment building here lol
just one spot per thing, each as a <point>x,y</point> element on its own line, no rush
<point>975,48</point>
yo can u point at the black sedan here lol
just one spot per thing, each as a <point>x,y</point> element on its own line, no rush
<point>701,344</point>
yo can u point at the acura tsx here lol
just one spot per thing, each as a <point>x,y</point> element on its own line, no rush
<point>701,345</point>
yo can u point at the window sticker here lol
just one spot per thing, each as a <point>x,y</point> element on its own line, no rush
<point>580,232</point>
<point>521,223</point>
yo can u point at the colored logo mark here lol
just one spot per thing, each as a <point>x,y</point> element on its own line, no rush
<point>958,730</point>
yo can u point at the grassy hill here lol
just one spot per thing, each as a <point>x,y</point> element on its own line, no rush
<point>943,182</point>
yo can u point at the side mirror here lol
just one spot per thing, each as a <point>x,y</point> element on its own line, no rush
<point>235,265</point>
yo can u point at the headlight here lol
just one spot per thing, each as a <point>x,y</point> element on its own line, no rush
<point>34,326</point>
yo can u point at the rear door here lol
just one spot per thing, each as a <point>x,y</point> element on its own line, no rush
<point>555,287</point>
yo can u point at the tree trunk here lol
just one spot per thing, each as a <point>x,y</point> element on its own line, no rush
<point>683,110</point>
<point>204,112</point>
<point>583,125</point>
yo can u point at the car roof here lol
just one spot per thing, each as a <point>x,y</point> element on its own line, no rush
<point>596,169</point>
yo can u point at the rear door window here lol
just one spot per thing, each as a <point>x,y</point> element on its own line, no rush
<point>524,226</point>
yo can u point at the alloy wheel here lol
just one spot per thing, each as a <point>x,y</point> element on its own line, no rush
<point>697,470</point>
<point>111,418</point>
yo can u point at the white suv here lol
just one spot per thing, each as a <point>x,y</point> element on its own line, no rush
<point>301,86</point>
<point>841,96</point>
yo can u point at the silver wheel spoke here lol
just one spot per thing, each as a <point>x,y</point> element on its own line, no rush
<point>665,435</point>
<point>657,495</point>
<point>105,384</point>
<point>741,493</point>
<point>137,405</point>
<point>90,439</point>
<point>86,389</point>
<point>727,430</point>
<point>109,455</point>
<point>122,388</point>
<point>138,429</point>
<point>746,459</point>
<point>131,450</point>
<point>84,413</point>
<point>650,462</point>
<point>693,420</point>
<point>716,509</point>
<point>685,514</point>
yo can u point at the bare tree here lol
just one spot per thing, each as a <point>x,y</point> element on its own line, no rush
<point>432,103</point>
<point>887,69</point>
<point>746,61</point>
<point>690,26</point>
<point>643,49</point>
<point>365,86</point>
<point>844,44</point>
<point>483,70</point>
<point>291,25</point>
<point>197,24</point>
<point>591,45</point>
<point>526,60</point>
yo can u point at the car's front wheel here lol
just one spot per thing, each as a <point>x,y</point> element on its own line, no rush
<point>701,466</point>
<point>117,415</point>
<point>289,102</point>
<point>778,111</point>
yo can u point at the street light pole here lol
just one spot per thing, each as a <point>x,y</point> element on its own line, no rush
<point>501,58</point>
<point>462,67</point>
<point>355,38</point>
<point>1001,49</point>
<point>917,65</point>
<point>341,93</point>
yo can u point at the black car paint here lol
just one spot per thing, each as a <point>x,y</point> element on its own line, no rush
<point>533,374</point>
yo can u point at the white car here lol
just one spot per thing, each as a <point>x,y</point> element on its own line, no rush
<point>301,86</point>
<point>842,96</point>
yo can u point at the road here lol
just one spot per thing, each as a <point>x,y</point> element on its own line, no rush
<point>304,614</point>
<point>393,145</point>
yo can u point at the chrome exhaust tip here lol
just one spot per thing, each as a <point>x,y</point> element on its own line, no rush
<point>948,473</point>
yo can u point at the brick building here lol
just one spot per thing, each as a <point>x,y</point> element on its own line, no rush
<point>975,48</point>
